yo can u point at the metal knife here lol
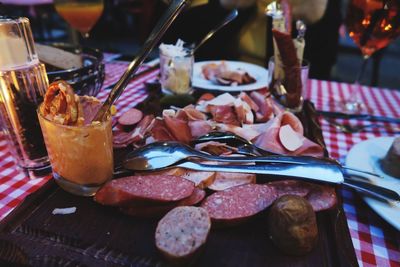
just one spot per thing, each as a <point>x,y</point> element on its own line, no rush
<point>325,173</point>
<point>340,115</point>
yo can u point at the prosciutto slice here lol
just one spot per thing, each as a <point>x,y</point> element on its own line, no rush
<point>160,131</point>
<point>248,134</point>
<point>269,140</point>
<point>224,114</point>
<point>178,128</point>
<point>265,105</point>
<point>199,128</point>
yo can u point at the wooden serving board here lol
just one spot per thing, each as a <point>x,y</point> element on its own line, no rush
<point>102,236</point>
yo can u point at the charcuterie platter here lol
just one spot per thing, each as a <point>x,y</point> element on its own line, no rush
<point>96,234</point>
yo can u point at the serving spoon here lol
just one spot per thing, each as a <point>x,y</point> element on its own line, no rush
<point>160,155</point>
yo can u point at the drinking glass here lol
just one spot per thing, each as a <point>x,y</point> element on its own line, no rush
<point>81,15</point>
<point>372,24</point>
<point>288,84</point>
<point>81,156</point>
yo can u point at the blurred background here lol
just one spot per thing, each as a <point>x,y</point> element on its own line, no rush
<point>125,24</point>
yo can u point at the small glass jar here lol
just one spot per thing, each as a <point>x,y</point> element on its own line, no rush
<point>176,72</point>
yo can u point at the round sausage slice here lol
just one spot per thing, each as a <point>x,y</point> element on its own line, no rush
<point>157,211</point>
<point>322,197</point>
<point>130,117</point>
<point>237,204</point>
<point>149,188</point>
<point>291,187</point>
<point>182,232</point>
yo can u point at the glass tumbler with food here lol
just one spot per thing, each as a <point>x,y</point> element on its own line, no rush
<point>80,150</point>
<point>288,83</point>
<point>176,68</point>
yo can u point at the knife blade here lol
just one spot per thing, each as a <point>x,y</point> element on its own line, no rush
<point>313,172</point>
<point>367,117</point>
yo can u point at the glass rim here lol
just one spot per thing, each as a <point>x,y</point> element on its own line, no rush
<point>109,118</point>
<point>188,55</point>
<point>6,19</point>
<point>305,64</point>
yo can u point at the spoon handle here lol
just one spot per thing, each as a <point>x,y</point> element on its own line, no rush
<point>155,36</point>
<point>315,172</point>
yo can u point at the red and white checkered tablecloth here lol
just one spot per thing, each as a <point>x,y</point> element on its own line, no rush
<point>376,243</point>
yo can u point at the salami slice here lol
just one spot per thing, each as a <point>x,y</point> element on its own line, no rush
<point>237,204</point>
<point>322,197</point>
<point>290,187</point>
<point>150,188</point>
<point>182,232</point>
<point>157,211</point>
<point>130,117</point>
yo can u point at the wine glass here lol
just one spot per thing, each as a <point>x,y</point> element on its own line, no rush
<point>81,15</point>
<point>372,24</point>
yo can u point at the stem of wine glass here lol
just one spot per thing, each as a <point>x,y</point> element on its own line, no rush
<point>360,73</point>
<point>85,35</point>
<point>354,104</point>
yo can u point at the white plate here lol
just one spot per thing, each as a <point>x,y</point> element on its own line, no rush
<point>365,156</point>
<point>257,72</point>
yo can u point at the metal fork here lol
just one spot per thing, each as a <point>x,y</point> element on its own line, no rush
<point>348,128</point>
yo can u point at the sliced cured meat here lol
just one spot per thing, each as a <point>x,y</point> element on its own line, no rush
<point>246,98</point>
<point>243,112</point>
<point>269,140</point>
<point>290,187</point>
<point>199,128</point>
<point>179,129</point>
<point>248,134</point>
<point>225,99</point>
<point>123,139</point>
<point>200,179</point>
<point>149,188</point>
<point>216,148</point>
<point>131,117</point>
<point>234,77</point>
<point>182,232</point>
<point>265,111</point>
<point>160,131</point>
<point>157,211</point>
<point>322,197</point>
<point>239,203</point>
<point>205,97</point>
<point>212,70</point>
<point>224,114</point>
<point>192,114</point>
<point>226,180</point>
